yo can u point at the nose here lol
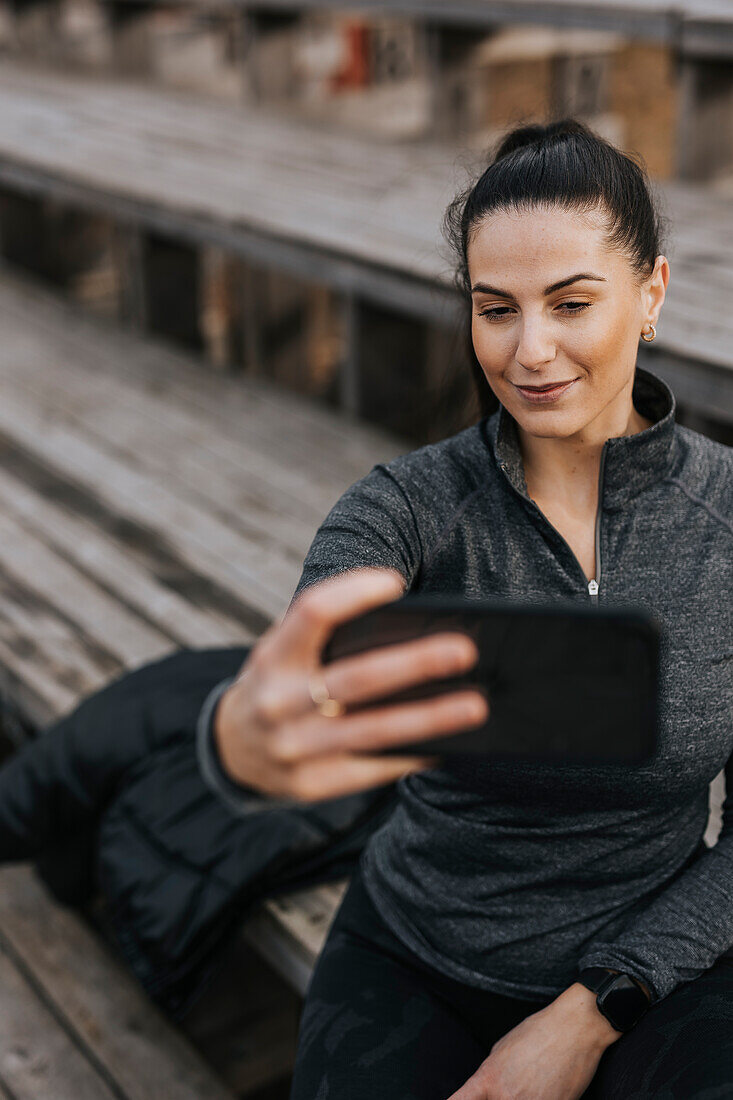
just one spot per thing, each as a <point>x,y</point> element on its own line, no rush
<point>535,347</point>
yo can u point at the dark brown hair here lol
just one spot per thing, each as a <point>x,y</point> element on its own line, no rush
<point>562,163</point>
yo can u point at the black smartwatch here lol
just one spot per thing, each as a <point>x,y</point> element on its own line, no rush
<point>620,998</point>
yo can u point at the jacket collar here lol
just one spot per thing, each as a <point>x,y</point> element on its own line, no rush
<point>631,462</point>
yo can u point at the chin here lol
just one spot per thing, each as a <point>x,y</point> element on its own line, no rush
<point>547,423</point>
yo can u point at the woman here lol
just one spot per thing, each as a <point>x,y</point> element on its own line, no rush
<point>458,965</point>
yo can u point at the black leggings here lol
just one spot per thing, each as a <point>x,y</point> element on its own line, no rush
<point>379,1024</point>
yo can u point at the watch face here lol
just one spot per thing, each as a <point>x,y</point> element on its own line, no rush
<point>623,1003</point>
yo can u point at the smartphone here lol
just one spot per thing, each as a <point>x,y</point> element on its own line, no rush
<point>565,682</point>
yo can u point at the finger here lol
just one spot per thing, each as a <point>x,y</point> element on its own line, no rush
<point>362,677</point>
<point>386,669</point>
<point>379,672</point>
<point>313,615</point>
<point>379,727</point>
<point>346,773</point>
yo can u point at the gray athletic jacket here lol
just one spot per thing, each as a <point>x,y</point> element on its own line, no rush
<point>513,876</point>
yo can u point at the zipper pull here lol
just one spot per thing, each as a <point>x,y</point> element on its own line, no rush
<point>593,588</point>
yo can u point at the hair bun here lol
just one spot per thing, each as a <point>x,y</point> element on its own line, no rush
<point>536,132</point>
<point>567,166</point>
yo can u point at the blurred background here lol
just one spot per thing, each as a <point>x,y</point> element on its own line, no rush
<point>263,183</point>
<point>224,296</point>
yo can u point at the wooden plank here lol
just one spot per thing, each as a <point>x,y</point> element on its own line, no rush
<point>55,659</point>
<point>97,998</point>
<point>70,523</point>
<point>293,430</point>
<point>232,478</point>
<point>38,1056</point>
<point>102,560</point>
<point>308,913</point>
<point>290,930</point>
<point>370,212</point>
<point>104,155</point>
<point>414,294</point>
<point>198,539</point>
<point>113,630</point>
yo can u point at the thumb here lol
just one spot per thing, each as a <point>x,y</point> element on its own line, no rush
<point>316,611</point>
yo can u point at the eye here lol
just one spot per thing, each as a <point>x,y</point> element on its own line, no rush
<point>495,314</point>
<point>492,314</point>
<point>580,306</point>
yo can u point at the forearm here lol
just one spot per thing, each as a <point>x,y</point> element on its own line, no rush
<point>683,931</point>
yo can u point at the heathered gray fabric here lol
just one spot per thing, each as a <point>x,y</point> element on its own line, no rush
<point>513,876</point>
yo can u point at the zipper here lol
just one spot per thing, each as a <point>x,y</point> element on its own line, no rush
<point>594,584</point>
<point>591,585</point>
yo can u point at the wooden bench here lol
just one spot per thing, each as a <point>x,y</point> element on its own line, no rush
<point>145,504</point>
<point>360,216</point>
<point>73,1022</point>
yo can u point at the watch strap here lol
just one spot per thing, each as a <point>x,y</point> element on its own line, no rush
<point>620,998</point>
<point>596,978</point>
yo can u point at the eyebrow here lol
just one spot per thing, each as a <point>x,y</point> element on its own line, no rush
<point>484,288</point>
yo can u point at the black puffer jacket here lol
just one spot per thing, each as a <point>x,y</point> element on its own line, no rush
<point>110,803</point>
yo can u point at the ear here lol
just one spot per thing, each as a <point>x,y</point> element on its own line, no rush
<point>655,289</point>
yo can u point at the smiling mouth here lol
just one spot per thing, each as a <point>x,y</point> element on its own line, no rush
<point>547,386</point>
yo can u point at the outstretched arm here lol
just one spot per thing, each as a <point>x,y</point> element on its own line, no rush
<point>371,524</point>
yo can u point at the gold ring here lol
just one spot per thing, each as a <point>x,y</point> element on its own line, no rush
<point>324,703</point>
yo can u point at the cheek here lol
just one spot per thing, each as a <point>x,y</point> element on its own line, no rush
<point>612,320</point>
<point>595,341</point>
<point>492,343</point>
<point>602,346</point>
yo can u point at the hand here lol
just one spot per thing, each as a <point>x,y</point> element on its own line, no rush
<point>268,733</point>
<point>551,1055</point>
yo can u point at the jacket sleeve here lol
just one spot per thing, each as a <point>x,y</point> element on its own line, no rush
<point>239,798</point>
<point>371,524</point>
<point>684,930</point>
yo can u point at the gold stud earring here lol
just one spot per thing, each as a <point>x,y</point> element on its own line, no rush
<point>649,337</point>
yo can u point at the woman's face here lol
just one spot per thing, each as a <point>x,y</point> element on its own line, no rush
<point>527,333</point>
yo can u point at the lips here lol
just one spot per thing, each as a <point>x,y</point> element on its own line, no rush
<point>547,386</point>
<point>549,392</point>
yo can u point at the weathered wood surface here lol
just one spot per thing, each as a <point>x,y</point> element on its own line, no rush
<point>333,205</point>
<point>289,931</point>
<point>146,504</point>
<point>73,1022</point>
